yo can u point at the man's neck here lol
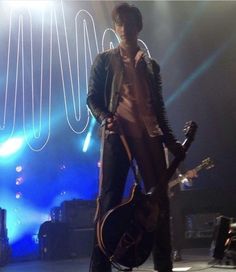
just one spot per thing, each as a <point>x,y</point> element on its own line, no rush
<point>129,50</point>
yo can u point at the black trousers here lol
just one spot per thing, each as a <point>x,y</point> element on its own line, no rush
<point>149,155</point>
<point>177,221</point>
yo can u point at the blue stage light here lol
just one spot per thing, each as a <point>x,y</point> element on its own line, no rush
<point>89,135</point>
<point>87,142</point>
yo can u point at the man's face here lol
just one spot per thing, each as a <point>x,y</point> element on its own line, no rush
<point>126,28</point>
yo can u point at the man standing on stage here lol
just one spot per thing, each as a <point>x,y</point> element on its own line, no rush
<point>125,97</point>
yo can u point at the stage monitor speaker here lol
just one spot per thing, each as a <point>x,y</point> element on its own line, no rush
<point>220,235</point>
<point>200,225</point>
<point>53,241</point>
<point>3,228</point>
<point>80,242</point>
<point>5,250</point>
<point>78,213</point>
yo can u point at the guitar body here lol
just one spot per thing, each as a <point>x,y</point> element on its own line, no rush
<point>123,235</point>
<point>126,233</point>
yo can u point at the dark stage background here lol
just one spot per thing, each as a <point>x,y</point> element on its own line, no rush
<point>45,57</point>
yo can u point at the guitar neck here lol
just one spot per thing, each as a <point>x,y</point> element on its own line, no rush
<point>174,182</point>
<point>178,180</point>
<point>199,167</point>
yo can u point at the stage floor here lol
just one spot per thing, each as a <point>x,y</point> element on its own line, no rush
<point>194,259</point>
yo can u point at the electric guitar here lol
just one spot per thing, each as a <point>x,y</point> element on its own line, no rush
<point>205,164</point>
<point>126,232</point>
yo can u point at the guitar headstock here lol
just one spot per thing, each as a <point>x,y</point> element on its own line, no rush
<point>207,163</point>
<point>190,129</point>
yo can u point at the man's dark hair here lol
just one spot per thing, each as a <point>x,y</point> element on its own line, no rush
<point>124,10</point>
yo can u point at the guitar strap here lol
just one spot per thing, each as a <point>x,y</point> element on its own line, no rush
<point>137,176</point>
<point>103,131</point>
<point>134,167</point>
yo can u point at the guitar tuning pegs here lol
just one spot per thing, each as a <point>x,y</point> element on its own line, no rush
<point>190,129</point>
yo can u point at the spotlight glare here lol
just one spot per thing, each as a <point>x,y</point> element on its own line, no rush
<point>181,268</point>
<point>10,146</point>
<point>36,4</point>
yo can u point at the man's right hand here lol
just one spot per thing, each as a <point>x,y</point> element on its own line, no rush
<point>112,123</point>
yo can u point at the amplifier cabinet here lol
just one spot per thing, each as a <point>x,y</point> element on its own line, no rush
<point>80,242</point>
<point>59,241</point>
<point>200,225</point>
<point>78,213</point>
<point>53,240</point>
<point>5,250</point>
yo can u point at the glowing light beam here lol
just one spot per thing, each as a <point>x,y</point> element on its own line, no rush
<point>11,146</point>
<point>89,135</point>
<point>174,45</point>
<point>197,73</point>
<point>87,141</point>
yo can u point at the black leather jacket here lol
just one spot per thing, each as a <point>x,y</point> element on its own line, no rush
<point>105,80</point>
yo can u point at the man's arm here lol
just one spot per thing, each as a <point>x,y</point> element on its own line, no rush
<point>96,89</point>
<point>170,140</point>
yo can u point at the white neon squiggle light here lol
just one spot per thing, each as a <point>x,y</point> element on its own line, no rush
<point>36,133</point>
<point>16,53</point>
<point>35,4</point>
<point>3,126</point>
<point>28,87</point>
<point>109,32</point>
<point>83,19</point>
